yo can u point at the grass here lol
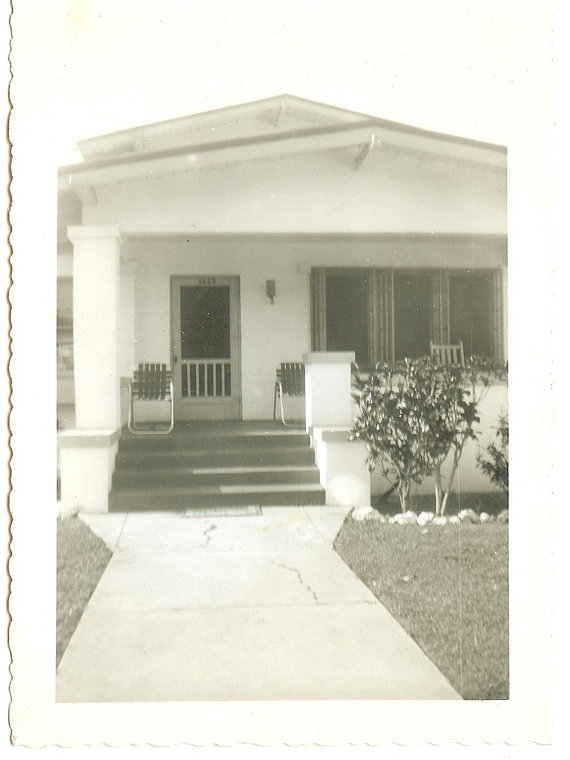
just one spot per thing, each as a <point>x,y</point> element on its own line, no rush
<point>81,559</point>
<point>448,588</point>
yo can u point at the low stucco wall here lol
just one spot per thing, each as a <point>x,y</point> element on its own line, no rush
<point>470,479</point>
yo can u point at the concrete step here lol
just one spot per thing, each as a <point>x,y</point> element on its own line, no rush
<point>213,442</point>
<point>234,457</point>
<point>182,498</point>
<point>213,476</point>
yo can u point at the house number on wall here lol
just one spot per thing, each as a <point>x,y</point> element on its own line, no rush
<point>207,281</point>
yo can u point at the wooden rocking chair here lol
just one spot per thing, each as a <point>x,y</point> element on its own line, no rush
<point>289,381</point>
<point>151,382</point>
<point>447,354</point>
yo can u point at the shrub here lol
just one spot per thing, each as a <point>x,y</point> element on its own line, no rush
<point>414,414</point>
<point>496,465</point>
<point>462,390</point>
<point>397,404</point>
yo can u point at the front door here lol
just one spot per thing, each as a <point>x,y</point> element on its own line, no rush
<point>205,348</point>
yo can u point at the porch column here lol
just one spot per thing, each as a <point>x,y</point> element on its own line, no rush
<point>328,389</point>
<point>96,314</point>
<point>330,415</point>
<point>127,334</point>
<point>87,458</point>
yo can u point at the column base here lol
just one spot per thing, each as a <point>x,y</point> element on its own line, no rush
<point>342,466</point>
<point>87,463</point>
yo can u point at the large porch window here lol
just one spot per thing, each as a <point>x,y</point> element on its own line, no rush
<point>347,314</point>
<point>387,314</point>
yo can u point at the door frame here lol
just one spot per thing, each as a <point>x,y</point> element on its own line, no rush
<point>209,280</point>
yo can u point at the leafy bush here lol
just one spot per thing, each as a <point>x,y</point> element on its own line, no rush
<point>397,408</point>
<point>496,466</point>
<point>413,414</point>
<point>463,389</point>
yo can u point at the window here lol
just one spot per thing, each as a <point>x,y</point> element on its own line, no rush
<point>347,315</point>
<point>470,311</point>
<point>385,314</point>
<point>412,315</point>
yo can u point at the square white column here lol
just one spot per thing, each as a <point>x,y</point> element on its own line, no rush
<point>328,389</point>
<point>96,335</point>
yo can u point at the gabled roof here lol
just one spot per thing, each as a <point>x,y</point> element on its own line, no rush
<point>279,113</point>
<point>281,125</point>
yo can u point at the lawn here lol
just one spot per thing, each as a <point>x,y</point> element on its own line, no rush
<point>81,559</point>
<point>448,588</point>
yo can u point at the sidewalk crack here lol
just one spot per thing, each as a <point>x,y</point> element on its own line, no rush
<point>298,574</point>
<point>206,536</point>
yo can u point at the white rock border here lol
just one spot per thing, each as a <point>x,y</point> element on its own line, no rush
<point>468,516</point>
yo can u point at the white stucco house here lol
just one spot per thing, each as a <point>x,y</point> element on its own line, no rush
<point>288,230</point>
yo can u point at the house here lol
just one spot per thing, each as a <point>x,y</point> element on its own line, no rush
<point>226,242</point>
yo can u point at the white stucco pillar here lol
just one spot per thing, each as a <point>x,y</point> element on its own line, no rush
<point>126,334</point>
<point>87,453</point>
<point>328,389</point>
<point>96,314</point>
<point>330,416</point>
<point>127,319</point>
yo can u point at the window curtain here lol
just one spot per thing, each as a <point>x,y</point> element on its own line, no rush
<point>318,310</point>
<point>440,307</point>
<point>384,286</point>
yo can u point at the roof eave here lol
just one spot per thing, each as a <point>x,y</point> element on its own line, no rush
<point>297,141</point>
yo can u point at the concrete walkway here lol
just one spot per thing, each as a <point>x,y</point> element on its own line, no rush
<point>237,608</point>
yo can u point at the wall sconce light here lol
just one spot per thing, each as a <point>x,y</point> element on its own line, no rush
<point>270,290</point>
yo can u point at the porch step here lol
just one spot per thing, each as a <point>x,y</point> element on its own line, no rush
<point>203,465</point>
<point>178,498</point>
<point>228,457</point>
<point>213,476</point>
<point>200,442</point>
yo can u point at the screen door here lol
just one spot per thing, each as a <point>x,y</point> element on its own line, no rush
<point>205,348</point>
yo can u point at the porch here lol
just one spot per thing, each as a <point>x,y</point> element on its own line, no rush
<point>201,307</point>
<point>222,463</point>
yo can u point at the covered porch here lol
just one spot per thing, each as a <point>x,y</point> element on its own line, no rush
<point>202,306</point>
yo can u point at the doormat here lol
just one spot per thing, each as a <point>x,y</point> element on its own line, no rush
<point>245,511</point>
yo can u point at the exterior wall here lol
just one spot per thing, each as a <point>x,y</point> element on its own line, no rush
<point>319,192</point>
<point>274,333</point>
<point>269,333</point>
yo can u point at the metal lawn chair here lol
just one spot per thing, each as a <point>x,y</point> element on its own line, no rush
<point>289,381</point>
<point>151,382</point>
<point>447,354</point>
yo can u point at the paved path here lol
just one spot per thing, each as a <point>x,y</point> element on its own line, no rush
<point>237,608</point>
